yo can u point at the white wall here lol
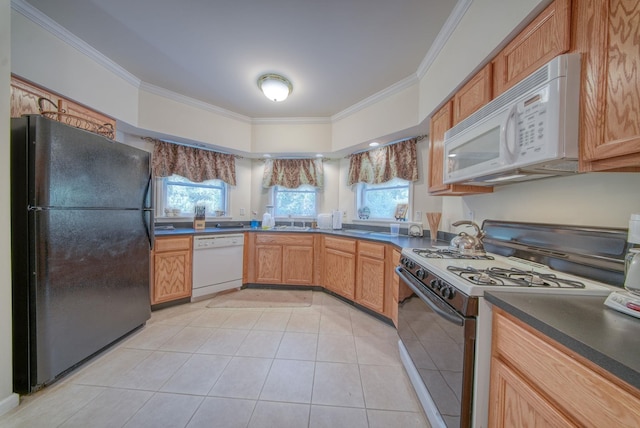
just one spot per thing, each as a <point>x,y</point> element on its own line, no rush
<point>597,199</point>
<point>168,116</point>
<point>39,56</point>
<point>310,138</point>
<point>8,400</point>
<point>389,115</point>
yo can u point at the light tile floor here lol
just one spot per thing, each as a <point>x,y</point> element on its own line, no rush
<point>325,365</point>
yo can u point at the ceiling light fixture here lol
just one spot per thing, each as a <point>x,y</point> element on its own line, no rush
<point>275,87</point>
<point>374,144</point>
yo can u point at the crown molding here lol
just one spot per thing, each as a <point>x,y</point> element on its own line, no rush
<point>447,29</point>
<point>39,18</point>
<point>183,99</point>
<point>291,121</point>
<point>379,96</point>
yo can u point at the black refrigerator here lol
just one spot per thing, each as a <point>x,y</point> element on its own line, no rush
<point>81,233</point>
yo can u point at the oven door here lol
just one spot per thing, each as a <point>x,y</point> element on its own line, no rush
<point>437,347</point>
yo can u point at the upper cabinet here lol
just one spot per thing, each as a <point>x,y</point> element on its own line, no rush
<point>545,38</point>
<point>606,34</point>
<point>473,95</point>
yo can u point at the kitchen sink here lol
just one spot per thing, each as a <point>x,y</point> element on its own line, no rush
<point>356,231</point>
<point>292,228</point>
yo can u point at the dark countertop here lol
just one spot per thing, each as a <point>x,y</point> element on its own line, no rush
<point>400,241</point>
<point>583,324</point>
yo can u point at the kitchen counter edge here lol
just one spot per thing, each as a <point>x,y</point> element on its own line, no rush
<point>583,324</point>
<point>400,241</point>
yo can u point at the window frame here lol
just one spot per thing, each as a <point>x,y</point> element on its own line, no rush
<point>273,195</point>
<point>160,193</point>
<point>361,188</point>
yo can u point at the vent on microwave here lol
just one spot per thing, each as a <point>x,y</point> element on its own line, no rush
<point>537,78</point>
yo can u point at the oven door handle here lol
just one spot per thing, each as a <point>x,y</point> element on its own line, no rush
<point>437,306</point>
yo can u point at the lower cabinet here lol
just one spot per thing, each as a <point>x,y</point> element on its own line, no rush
<point>339,266</point>
<point>536,381</point>
<point>358,270</point>
<point>171,269</point>
<point>370,276</point>
<point>281,258</point>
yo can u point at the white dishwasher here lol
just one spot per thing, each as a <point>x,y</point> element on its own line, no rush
<point>217,264</point>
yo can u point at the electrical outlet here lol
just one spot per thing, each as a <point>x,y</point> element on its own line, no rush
<point>472,215</point>
<point>344,214</point>
<point>418,216</point>
<point>241,212</point>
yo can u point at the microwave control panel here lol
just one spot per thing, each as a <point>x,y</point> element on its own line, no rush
<point>532,128</point>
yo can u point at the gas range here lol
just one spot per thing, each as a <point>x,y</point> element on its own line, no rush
<point>473,276</point>
<point>444,323</point>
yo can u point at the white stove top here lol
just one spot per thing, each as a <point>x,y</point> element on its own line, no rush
<point>439,266</point>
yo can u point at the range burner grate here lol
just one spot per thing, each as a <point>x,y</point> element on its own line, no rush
<point>442,253</point>
<point>513,277</point>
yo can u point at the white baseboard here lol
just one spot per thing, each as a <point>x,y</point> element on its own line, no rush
<point>9,403</point>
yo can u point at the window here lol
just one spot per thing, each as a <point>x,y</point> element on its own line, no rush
<point>176,192</point>
<point>299,202</point>
<point>382,199</point>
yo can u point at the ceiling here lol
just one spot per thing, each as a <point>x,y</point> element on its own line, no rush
<point>336,53</point>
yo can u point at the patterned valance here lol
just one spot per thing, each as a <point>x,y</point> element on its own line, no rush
<point>292,173</point>
<point>377,166</point>
<point>194,164</point>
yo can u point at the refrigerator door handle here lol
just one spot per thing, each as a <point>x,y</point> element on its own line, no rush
<point>148,210</point>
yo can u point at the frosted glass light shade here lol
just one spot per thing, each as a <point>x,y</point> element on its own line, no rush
<point>275,87</point>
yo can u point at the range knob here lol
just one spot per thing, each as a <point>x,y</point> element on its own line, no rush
<point>421,274</point>
<point>436,284</point>
<point>448,292</point>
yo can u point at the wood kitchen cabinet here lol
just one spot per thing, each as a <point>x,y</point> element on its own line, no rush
<point>370,276</point>
<point>281,258</point>
<point>605,32</point>
<point>171,267</point>
<point>474,94</point>
<point>339,266</point>
<point>440,123</point>
<point>546,37</point>
<point>536,381</point>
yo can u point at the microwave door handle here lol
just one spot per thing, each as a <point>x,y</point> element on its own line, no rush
<point>511,119</point>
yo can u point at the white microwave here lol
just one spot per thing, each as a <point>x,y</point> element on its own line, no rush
<point>528,132</point>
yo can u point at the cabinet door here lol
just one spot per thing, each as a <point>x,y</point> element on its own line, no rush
<point>545,38</point>
<point>370,283</point>
<point>440,123</point>
<point>172,276</point>
<point>269,264</point>
<point>473,95</point>
<point>339,272</point>
<point>514,403</point>
<point>605,33</point>
<point>171,269</point>
<point>297,265</point>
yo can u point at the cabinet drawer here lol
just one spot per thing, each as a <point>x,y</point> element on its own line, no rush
<point>300,239</point>
<point>346,245</point>
<point>371,249</point>
<point>174,243</point>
